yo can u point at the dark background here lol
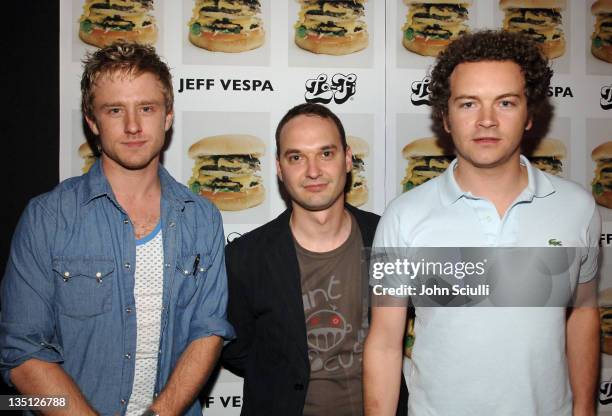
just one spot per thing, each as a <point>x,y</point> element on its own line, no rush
<point>30,114</point>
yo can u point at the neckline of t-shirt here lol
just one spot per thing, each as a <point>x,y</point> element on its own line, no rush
<point>150,236</point>
<point>354,233</point>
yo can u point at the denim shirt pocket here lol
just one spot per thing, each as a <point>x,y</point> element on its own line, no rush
<point>191,270</point>
<point>83,286</point>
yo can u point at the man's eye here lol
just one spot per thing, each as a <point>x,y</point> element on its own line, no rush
<point>327,154</point>
<point>507,103</point>
<point>294,158</point>
<point>114,111</point>
<point>147,108</point>
<point>468,104</point>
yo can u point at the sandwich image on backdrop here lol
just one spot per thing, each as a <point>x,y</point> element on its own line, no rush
<point>104,22</point>
<point>540,20</point>
<point>431,25</point>
<point>358,192</point>
<point>548,156</point>
<point>605,319</point>
<point>227,25</point>
<point>602,182</point>
<point>87,155</point>
<point>226,170</point>
<point>426,160</point>
<point>601,45</point>
<point>333,27</point>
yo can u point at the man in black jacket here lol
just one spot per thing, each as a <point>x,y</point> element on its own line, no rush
<point>298,286</point>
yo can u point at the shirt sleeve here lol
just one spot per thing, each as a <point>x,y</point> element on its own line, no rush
<point>209,317</point>
<point>590,260</point>
<point>239,310</point>
<point>27,328</point>
<point>386,249</point>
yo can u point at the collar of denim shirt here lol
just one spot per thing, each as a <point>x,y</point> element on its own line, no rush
<point>96,185</point>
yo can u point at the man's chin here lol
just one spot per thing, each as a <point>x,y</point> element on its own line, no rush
<point>487,162</point>
<point>317,205</point>
<point>131,164</point>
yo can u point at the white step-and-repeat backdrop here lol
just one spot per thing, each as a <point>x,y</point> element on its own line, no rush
<point>238,72</point>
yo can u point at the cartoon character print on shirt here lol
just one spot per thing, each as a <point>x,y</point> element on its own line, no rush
<point>327,328</point>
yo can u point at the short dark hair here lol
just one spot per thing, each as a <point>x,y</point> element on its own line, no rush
<point>129,58</point>
<point>310,109</point>
<point>491,45</point>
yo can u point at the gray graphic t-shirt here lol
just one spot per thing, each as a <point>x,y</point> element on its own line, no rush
<point>332,295</point>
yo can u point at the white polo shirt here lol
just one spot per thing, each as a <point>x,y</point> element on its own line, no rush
<point>492,361</point>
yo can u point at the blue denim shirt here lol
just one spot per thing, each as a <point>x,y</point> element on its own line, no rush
<point>68,292</point>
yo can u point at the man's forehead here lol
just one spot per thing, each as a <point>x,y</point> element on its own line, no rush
<point>306,126</point>
<point>501,76</point>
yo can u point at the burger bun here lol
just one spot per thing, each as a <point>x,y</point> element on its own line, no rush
<point>603,151</point>
<point>601,6</point>
<point>410,2</point>
<point>85,151</point>
<point>553,48</point>
<point>532,4</point>
<point>603,52</point>
<point>428,146</point>
<point>358,146</point>
<point>425,46</point>
<point>549,148</point>
<point>357,196</point>
<point>102,38</point>
<point>333,45</point>
<point>229,42</point>
<point>236,201</point>
<point>227,144</point>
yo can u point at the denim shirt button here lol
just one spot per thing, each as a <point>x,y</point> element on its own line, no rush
<point>122,401</point>
<point>128,356</point>
<point>127,266</point>
<point>172,224</point>
<point>167,265</point>
<point>128,310</point>
<point>126,222</point>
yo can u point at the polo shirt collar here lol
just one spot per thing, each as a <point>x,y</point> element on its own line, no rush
<point>538,185</point>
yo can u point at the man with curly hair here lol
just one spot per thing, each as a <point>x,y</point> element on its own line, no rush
<point>487,89</point>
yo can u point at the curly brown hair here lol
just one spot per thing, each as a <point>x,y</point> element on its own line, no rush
<point>491,45</point>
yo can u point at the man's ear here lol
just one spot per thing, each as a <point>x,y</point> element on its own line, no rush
<point>278,171</point>
<point>348,158</point>
<point>169,120</point>
<point>93,126</point>
<point>445,123</point>
<point>529,124</point>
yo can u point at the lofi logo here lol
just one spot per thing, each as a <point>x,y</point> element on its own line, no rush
<point>554,242</point>
<point>340,89</point>
<point>606,97</point>
<point>605,392</point>
<point>420,92</point>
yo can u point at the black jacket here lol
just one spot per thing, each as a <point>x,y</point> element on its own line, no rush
<point>265,307</point>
